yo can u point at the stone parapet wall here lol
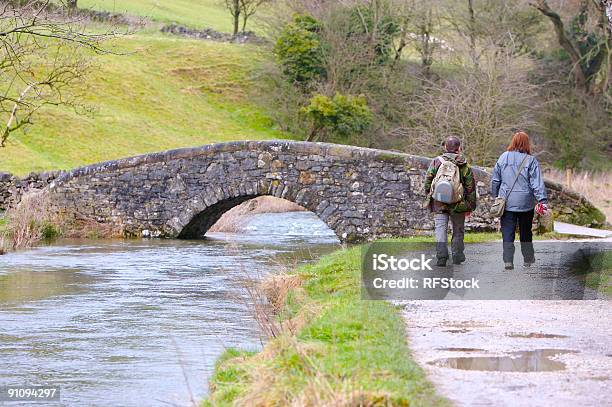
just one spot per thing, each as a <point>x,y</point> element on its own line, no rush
<point>12,187</point>
<point>359,193</point>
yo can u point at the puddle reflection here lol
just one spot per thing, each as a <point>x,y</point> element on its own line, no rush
<point>523,361</point>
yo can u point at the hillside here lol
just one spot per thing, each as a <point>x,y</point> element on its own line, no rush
<point>167,92</point>
<point>194,13</point>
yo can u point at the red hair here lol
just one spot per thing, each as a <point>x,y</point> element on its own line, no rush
<point>520,142</point>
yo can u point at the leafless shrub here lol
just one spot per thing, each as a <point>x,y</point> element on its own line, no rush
<point>265,297</point>
<point>70,227</point>
<point>276,287</point>
<point>481,106</point>
<point>262,309</point>
<point>28,222</point>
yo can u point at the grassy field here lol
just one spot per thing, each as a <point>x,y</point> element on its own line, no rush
<point>194,13</point>
<point>168,92</point>
<point>336,349</point>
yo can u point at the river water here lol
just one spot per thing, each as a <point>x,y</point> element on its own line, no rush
<point>133,323</point>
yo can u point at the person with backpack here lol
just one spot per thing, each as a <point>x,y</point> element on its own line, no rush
<point>451,194</point>
<point>519,189</point>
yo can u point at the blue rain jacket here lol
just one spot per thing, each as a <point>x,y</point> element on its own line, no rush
<point>529,187</point>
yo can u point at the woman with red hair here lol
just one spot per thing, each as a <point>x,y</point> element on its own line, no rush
<point>517,178</point>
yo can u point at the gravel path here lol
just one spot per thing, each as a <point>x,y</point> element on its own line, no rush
<point>569,229</point>
<point>442,329</point>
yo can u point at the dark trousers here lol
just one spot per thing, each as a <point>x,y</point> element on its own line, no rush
<point>509,220</point>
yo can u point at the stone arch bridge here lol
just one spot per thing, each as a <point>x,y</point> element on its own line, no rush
<point>359,193</point>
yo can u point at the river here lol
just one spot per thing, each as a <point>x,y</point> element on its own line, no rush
<point>140,322</point>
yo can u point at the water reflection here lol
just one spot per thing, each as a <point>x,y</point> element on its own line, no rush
<point>118,322</point>
<point>523,361</point>
<point>22,286</point>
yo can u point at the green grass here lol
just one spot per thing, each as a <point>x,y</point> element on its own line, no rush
<point>348,349</point>
<point>599,277</point>
<point>193,13</point>
<point>168,92</point>
<point>482,237</point>
<point>470,237</point>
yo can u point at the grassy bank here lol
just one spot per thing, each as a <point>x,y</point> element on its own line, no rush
<point>333,348</point>
<point>168,92</point>
<point>329,346</point>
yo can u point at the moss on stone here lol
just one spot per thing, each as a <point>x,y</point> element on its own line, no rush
<point>585,215</point>
<point>390,158</point>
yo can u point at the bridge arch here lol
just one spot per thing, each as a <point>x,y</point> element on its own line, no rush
<point>359,193</point>
<point>203,218</point>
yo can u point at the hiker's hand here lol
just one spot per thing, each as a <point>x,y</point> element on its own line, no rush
<point>468,215</point>
<point>541,209</point>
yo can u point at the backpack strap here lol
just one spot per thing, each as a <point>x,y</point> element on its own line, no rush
<point>518,173</point>
<point>442,159</point>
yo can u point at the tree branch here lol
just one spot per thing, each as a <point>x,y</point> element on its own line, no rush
<point>564,42</point>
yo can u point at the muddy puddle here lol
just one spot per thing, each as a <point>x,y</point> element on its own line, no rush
<point>540,360</point>
<point>457,331</point>
<point>537,335</point>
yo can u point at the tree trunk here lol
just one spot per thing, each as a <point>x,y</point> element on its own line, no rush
<point>472,32</point>
<point>72,4</point>
<point>608,12</point>
<point>314,133</point>
<point>565,43</point>
<point>236,6</point>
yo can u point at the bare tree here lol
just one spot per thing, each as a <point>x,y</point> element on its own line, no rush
<point>233,6</point>
<point>425,23</point>
<point>492,25</point>
<point>461,15</point>
<point>481,106</point>
<point>249,8</point>
<point>588,51</point>
<point>405,14</point>
<point>472,30</point>
<point>42,59</point>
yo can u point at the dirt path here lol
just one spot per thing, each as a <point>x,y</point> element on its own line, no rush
<point>443,329</point>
